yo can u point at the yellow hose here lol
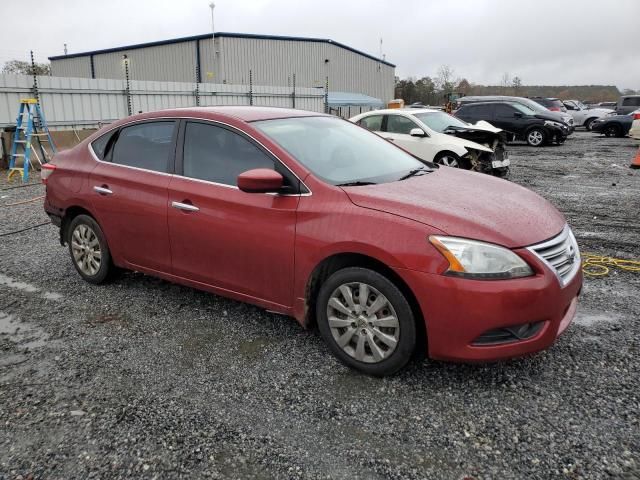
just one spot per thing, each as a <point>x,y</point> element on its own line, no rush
<point>595,265</point>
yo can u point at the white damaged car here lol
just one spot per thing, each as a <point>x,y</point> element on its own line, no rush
<point>436,136</point>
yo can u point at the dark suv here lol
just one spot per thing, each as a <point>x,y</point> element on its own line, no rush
<point>521,122</point>
<point>527,102</point>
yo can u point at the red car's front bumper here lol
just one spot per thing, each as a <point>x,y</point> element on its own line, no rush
<point>458,311</point>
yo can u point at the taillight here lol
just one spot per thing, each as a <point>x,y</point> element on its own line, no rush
<point>46,171</point>
<point>636,116</point>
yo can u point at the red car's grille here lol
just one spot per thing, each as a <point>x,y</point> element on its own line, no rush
<point>561,254</point>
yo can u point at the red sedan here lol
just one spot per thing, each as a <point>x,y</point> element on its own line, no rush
<point>314,217</point>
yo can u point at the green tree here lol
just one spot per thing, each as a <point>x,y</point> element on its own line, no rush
<point>18,67</point>
<point>425,90</point>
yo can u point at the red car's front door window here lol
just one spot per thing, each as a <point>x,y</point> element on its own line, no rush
<point>230,239</point>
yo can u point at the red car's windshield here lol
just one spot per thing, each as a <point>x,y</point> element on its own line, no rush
<point>339,152</point>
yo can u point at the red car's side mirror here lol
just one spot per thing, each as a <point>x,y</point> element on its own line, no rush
<point>260,180</point>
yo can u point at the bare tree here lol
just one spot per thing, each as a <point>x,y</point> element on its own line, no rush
<point>445,79</point>
<point>516,83</point>
<point>505,82</point>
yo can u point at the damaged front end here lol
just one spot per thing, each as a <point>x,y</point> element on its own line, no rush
<point>494,161</point>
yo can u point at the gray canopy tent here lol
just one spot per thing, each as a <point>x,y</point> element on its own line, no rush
<point>348,104</point>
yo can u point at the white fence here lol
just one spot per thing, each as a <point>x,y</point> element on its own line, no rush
<point>85,102</point>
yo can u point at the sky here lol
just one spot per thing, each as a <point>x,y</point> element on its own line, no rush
<point>544,42</point>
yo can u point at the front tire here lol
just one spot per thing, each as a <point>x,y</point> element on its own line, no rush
<point>589,123</point>
<point>366,321</point>
<point>450,159</point>
<point>502,172</point>
<point>536,137</point>
<point>89,250</point>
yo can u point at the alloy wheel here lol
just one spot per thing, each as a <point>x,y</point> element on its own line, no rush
<point>448,161</point>
<point>85,247</point>
<point>363,322</point>
<point>535,137</point>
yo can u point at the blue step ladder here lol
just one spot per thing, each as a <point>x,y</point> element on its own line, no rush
<point>30,125</point>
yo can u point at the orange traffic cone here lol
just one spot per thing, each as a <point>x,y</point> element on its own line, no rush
<point>636,161</point>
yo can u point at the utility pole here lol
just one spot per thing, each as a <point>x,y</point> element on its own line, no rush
<point>212,6</point>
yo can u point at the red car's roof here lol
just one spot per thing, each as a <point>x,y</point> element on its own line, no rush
<point>244,113</point>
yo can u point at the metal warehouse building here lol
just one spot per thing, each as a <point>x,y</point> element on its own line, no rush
<point>228,58</point>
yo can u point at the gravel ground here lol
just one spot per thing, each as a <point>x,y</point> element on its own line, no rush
<point>146,379</point>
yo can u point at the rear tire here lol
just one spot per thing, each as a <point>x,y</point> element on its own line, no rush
<point>366,321</point>
<point>536,137</point>
<point>613,131</point>
<point>89,250</point>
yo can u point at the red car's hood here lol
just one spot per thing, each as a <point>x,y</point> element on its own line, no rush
<point>466,204</point>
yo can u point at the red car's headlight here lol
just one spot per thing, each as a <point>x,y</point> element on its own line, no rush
<point>479,260</point>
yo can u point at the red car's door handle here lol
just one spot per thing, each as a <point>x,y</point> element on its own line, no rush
<point>103,190</point>
<point>187,207</point>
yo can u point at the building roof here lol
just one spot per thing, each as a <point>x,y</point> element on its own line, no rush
<point>220,35</point>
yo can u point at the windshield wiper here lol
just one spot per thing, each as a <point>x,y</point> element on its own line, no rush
<point>357,183</point>
<point>414,172</point>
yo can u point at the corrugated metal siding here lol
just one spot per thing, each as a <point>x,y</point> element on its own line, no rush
<point>273,63</point>
<point>170,63</point>
<point>84,102</point>
<point>72,67</point>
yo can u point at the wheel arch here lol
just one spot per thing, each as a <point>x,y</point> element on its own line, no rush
<point>536,127</point>
<point>69,214</point>
<point>449,149</point>
<point>337,261</point>
<point>589,119</point>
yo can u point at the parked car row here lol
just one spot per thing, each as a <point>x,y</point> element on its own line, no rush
<point>557,116</point>
<point>542,121</point>
<point>522,122</point>
<point>311,216</point>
